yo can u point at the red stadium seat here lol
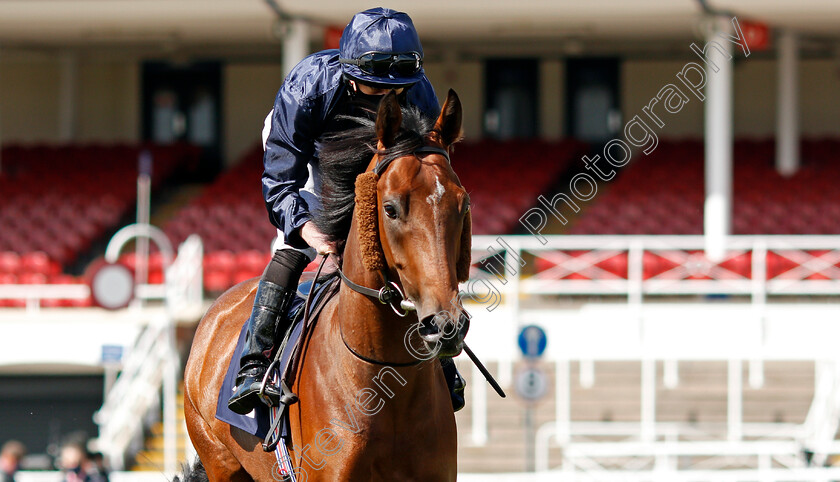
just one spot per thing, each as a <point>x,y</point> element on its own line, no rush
<point>217,281</point>
<point>663,193</point>
<point>38,262</point>
<point>64,198</point>
<point>241,275</point>
<point>156,276</point>
<point>252,261</point>
<point>9,262</point>
<point>219,261</point>
<point>29,278</point>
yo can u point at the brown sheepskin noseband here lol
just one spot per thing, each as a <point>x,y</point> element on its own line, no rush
<point>367,223</point>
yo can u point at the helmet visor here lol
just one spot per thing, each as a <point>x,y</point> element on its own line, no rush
<point>380,64</point>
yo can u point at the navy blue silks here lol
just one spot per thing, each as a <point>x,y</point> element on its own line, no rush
<point>258,421</point>
<point>380,30</point>
<point>309,98</point>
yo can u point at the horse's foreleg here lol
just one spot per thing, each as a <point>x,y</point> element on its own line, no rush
<point>218,460</point>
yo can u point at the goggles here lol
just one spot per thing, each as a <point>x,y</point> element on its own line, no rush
<point>381,64</point>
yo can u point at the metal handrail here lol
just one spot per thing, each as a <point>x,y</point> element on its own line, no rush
<point>151,366</point>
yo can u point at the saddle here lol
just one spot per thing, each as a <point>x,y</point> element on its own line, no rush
<point>271,423</point>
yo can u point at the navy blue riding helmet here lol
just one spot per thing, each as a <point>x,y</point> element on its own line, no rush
<point>381,46</point>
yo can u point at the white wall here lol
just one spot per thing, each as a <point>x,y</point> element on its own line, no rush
<point>641,80</point>
<point>754,101</point>
<point>819,81</point>
<point>248,92</point>
<point>552,95</point>
<point>28,97</point>
<point>467,79</point>
<point>108,101</point>
<point>108,97</point>
<point>754,97</point>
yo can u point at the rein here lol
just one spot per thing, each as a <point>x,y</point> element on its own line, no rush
<point>387,295</point>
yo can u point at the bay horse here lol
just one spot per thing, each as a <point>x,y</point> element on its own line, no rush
<point>369,409</point>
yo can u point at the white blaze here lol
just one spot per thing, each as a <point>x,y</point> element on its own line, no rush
<point>436,196</point>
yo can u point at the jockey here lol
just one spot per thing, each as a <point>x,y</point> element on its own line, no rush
<point>379,51</point>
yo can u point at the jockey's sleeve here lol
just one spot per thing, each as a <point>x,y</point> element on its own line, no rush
<point>289,146</point>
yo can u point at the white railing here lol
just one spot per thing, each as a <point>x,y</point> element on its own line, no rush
<point>771,475</point>
<point>152,366</point>
<point>183,290</point>
<point>823,418</point>
<point>33,294</point>
<point>660,445</point>
<point>135,393</point>
<point>184,280</point>
<point>664,282</point>
<point>811,474</point>
<point>636,266</point>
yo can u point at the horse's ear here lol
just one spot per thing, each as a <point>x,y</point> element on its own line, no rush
<point>388,119</point>
<point>449,122</point>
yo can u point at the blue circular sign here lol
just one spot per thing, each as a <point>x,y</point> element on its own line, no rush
<point>532,341</point>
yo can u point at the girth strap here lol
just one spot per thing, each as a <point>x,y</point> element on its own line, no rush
<point>273,437</point>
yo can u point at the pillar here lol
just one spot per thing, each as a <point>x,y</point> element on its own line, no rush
<point>787,110</point>
<point>718,126</point>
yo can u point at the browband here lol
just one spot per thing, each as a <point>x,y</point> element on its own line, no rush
<point>381,166</point>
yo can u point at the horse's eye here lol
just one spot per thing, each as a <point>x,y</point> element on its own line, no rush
<point>390,211</point>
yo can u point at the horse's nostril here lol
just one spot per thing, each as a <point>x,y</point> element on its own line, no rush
<point>449,328</point>
<point>429,330</point>
<point>428,322</point>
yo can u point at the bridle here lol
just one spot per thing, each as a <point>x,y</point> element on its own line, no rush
<point>380,167</point>
<point>390,294</point>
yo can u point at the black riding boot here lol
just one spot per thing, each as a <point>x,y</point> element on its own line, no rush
<point>274,295</point>
<point>455,383</point>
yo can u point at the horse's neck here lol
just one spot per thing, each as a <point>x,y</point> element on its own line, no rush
<point>369,327</point>
<point>386,398</point>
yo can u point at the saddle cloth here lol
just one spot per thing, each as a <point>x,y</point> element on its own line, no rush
<point>258,421</point>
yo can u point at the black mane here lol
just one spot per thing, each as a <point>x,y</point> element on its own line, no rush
<point>344,155</point>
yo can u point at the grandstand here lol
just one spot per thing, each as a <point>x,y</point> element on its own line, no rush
<point>690,305</point>
<point>663,193</point>
<point>59,201</point>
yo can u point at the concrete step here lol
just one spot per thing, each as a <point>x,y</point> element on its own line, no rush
<point>157,443</point>
<point>700,396</point>
<point>157,429</point>
<point>151,457</point>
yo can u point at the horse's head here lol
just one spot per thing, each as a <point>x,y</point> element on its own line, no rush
<point>418,222</point>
